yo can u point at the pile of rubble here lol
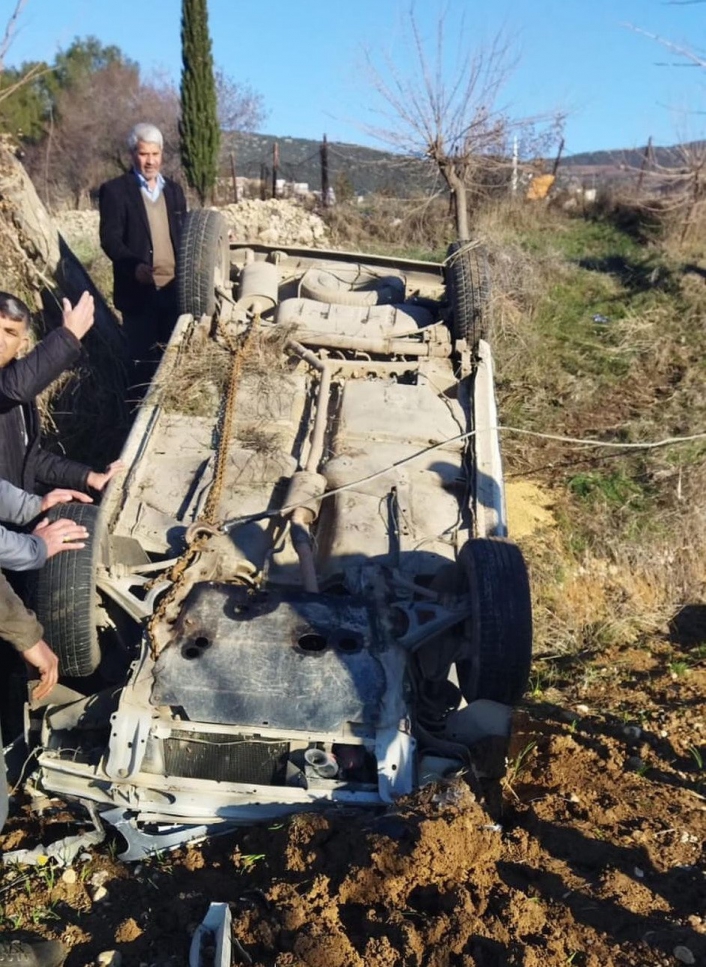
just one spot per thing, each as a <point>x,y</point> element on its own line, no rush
<point>274,222</point>
<point>271,222</point>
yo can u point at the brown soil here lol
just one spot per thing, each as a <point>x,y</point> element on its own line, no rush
<point>587,850</point>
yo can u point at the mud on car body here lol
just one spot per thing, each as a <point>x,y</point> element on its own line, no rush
<point>307,563</point>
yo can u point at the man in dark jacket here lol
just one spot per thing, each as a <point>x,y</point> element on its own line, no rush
<point>140,221</point>
<point>23,462</point>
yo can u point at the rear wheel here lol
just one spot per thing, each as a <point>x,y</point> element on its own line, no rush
<point>468,290</point>
<point>65,597</point>
<point>498,648</point>
<point>203,262</point>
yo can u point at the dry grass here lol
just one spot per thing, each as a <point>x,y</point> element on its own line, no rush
<point>267,362</point>
<point>196,386</point>
<point>260,438</point>
<point>417,227</point>
<point>626,554</point>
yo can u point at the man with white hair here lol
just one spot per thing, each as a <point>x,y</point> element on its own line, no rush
<point>140,220</point>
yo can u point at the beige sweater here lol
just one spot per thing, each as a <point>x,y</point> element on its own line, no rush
<point>163,260</point>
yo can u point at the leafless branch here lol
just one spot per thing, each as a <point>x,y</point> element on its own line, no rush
<point>10,29</point>
<point>687,53</point>
<point>35,71</point>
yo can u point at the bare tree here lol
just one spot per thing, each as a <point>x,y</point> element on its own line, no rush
<point>452,117</point>
<point>240,107</point>
<point>87,143</point>
<point>679,180</point>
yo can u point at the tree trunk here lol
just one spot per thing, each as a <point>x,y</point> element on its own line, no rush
<point>458,190</point>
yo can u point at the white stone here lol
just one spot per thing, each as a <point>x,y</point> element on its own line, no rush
<point>684,955</point>
<point>69,876</point>
<point>99,878</point>
<point>109,958</point>
<point>100,893</point>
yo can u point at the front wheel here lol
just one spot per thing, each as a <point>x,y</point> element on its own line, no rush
<point>65,597</point>
<point>497,651</point>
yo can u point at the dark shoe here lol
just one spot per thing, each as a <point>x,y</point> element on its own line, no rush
<point>45,953</point>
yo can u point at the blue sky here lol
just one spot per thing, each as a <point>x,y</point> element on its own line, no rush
<point>305,57</point>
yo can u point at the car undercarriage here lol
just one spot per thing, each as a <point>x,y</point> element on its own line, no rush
<point>305,572</point>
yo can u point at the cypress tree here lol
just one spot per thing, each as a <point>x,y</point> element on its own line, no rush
<point>198,128</point>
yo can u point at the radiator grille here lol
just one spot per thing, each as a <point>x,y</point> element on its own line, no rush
<point>223,758</point>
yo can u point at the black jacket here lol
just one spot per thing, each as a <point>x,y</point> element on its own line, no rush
<point>125,233</point>
<point>22,460</point>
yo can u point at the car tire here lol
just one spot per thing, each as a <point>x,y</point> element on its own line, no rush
<point>469,292</point>
<point>498,645</point>
<point>203,262</point>
<point>64,597</point>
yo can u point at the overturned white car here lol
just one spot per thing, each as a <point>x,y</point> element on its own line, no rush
<point>306,567</point>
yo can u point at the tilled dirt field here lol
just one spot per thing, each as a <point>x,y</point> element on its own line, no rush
<point>588,851</point>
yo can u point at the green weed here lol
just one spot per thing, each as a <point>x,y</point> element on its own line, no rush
<point>41,915</point>
<point>541,679</point>
<point>517,765</point>
<point>678,669</point>
<point>614,488</point>
<point>250,860</point>
<point>697,756</point>
<point>11,923</point>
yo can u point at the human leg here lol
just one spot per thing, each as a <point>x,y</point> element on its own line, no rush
<point>141,328</point>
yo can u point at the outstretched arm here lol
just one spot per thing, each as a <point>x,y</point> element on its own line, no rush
<point>78,319</point>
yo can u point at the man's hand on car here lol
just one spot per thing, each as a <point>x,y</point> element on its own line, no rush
<point>41,657</point>
<point>63,496</point>
<point>97,481</point>
<point>79,318</point>
<point>61,535</point>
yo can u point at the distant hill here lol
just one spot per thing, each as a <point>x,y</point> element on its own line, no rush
<point>664,157</point>
<point>361,170</point>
